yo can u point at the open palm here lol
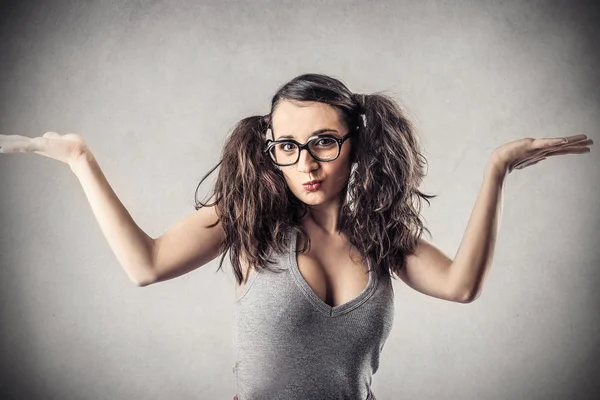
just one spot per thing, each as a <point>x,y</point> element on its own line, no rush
<point>528,151</point>
<point>66,148</point>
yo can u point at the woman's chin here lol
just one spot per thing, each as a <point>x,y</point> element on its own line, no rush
<point>312,198</point>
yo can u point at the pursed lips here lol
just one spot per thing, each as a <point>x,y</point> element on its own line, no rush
<point>311,182</point>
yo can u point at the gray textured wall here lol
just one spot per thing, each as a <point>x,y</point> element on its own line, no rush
<point>154,87</point>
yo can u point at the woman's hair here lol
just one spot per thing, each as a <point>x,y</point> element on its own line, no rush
<point>381,211</point>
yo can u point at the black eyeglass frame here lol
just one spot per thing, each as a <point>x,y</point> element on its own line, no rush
<point>340,141</point>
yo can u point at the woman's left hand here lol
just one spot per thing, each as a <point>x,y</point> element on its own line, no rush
<point>529,151</point>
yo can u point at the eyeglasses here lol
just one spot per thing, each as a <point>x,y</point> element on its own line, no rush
<point>321,148</point>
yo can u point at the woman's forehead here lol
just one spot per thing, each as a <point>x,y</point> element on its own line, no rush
<point>301,119</point>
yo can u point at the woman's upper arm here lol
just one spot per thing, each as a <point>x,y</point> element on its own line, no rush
<point>187,245</point>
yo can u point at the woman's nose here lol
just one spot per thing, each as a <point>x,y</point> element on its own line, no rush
<point>306,162</point>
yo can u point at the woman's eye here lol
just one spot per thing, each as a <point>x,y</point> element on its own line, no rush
<point>325,142</point>
<point>283,147</point>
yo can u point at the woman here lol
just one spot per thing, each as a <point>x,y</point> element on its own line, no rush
<point>314,236</point>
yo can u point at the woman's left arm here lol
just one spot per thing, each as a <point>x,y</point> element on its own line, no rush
<point>431,272</point>
<point>474,256</point>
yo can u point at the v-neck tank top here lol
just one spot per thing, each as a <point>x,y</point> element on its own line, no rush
<point>289,344</point>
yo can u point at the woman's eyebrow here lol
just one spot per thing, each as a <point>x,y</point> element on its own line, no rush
<point>317,132</point>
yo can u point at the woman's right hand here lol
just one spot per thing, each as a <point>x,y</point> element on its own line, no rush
<point>67,148</point>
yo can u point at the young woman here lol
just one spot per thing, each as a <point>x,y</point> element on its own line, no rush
<point>318,204</point>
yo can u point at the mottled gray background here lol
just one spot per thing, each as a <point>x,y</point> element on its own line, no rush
<point>155,87</point>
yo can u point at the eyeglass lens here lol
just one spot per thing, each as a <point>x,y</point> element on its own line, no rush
<point>324,149</point>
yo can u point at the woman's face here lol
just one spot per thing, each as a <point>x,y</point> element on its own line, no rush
<point>300,120</point>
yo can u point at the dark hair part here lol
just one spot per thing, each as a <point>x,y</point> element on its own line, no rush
<point>381,211</point>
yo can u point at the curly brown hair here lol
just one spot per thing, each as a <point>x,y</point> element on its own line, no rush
<point>381,211</point>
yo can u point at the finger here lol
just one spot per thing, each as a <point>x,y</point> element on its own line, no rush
<point>568,150</point>
<point>528,163</point>
<point>567,147</point>
<point>576,138</point>
<point>529,160</point>
<point>549,142</point>
<point>12,143</point>
<point>15,144</point>
<point>12,138</point>
<point>556,152</point>
<point>577,142</point>
<point>11,148</point>
<point>546,142</point>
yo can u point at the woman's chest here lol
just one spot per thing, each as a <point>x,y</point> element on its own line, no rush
<point>332,269</point>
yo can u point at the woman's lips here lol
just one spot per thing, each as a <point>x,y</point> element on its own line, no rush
<point>313,187</point>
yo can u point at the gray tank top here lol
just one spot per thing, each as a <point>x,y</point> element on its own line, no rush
<point>289,344</point>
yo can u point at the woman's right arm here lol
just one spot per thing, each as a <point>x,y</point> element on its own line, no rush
<point>132,246</point>
<point>185,246</point>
